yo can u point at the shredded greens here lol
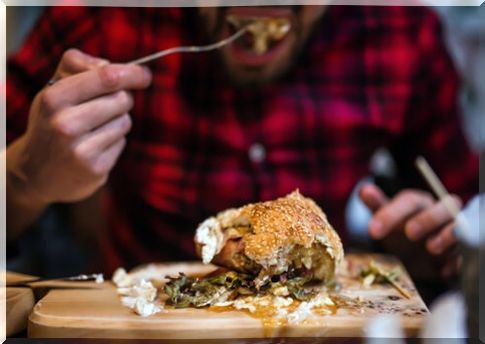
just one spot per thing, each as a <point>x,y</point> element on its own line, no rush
<point>376,274</point>
<point>184,291</point>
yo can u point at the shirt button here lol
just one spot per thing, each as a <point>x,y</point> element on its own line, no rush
<point>257,152</point>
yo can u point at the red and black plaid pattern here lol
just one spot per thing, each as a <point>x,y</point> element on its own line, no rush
<point>369,77</point>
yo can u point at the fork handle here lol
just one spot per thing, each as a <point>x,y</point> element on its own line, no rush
<point>189,49</point>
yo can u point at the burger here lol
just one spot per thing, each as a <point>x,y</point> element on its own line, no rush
<point>280,247</point>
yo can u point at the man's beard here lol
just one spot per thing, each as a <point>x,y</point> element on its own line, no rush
<point>253,76</point>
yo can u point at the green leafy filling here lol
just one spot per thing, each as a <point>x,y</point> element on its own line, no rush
<point>184,291</point>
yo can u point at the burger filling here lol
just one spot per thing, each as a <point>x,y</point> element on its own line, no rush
<point>184,291</point>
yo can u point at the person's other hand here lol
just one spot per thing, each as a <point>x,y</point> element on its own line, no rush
<point>415,227</point>
<point>77,128</point>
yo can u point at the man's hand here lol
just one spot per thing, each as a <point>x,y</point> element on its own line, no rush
<point>414,226</point>
<point>77,128</point>
<point>75,134</point>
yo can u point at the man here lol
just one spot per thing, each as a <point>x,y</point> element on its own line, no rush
<point>197,133</point>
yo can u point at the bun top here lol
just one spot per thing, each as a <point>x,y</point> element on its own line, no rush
<point>286,222</point>
<point>269,238</point>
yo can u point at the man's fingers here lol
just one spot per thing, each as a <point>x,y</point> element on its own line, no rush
<point>373,197</point>
<point>430,219</point>
<point>94,83</point>
<point>105,162</point>
<point>442,241</point>
<point>397,211</point>
<point>96,142</point>
<point>87,116</point>
<point>75,61</point>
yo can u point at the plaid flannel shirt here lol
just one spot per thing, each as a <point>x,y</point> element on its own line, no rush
<point>368,77</point>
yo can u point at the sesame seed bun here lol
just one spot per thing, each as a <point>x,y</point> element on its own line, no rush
<point>270,238</point>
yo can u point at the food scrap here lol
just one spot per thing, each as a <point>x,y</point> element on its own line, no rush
<point>374,273</point>
<point>137,293</point>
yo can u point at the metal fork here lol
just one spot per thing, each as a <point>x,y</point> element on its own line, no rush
<point>190,49</point>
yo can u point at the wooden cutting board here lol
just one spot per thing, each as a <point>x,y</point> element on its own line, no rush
<point>19,303</point>
<point>98,313</point>
<point>20,300</point>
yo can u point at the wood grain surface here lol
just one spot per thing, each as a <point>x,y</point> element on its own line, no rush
<point>19,303</point>
<point>98,313</point>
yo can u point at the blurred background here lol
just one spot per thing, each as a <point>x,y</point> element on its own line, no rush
<point>52,241</point>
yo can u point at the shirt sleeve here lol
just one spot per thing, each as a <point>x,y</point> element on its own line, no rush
<point>434,128</point>
<point>29,69</point>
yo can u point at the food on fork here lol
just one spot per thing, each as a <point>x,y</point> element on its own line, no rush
<point>264,29</point>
